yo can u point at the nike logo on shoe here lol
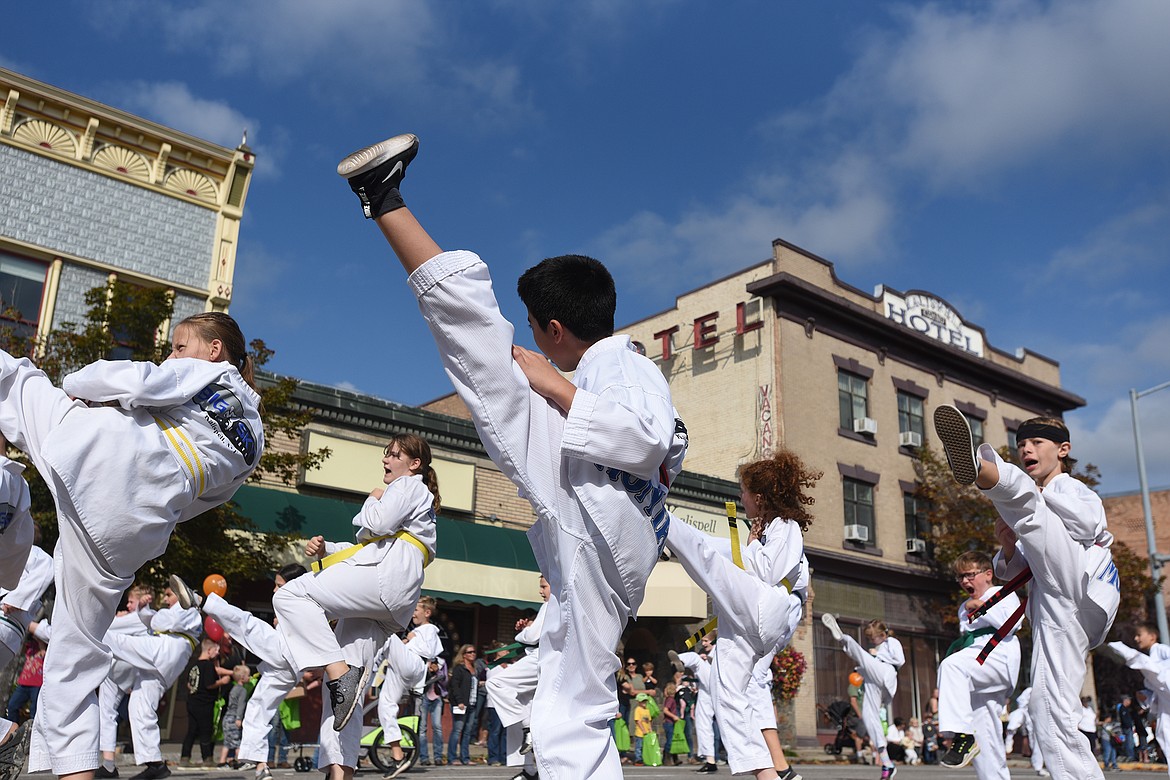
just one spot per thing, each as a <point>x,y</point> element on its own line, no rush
<point>393,171</point>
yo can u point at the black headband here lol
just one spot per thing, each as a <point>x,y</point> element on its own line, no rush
<point>1031,430</point>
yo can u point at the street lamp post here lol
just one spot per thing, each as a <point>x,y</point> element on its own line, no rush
<point>1156,559</point>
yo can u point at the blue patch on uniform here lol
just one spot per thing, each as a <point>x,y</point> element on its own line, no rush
<point>1111,576</point>
<point>7,513</point>
<point>649,496</point>
<point>222,405</point>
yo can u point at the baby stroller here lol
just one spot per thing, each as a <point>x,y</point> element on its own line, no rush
<point>840,716</point>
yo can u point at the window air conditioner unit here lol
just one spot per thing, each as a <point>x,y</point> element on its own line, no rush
<point>865,425</point>
<point>856,533</point>
<point>910,439</point>
<point>915,546</point>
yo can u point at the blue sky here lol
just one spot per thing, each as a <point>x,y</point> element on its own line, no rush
<point>1011,157</point>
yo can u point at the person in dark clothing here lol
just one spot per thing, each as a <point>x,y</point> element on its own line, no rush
<point>1124,717</point>
<point>204,681</point>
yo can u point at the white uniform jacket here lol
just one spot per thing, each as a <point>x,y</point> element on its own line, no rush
<point>16,524</point>
<point>425,643</point>
<point>25,597</point>
<point>182,437</point>
<point>992,619</point>
<point>779,561</point>
<point>595,471</point>
<point>530,634</point>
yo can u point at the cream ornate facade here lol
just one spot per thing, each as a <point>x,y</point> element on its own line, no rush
<point>89,192</point>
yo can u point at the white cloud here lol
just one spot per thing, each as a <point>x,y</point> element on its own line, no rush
<point>1128,244</point>
<point>1108,441</point>
<point>171,103</point>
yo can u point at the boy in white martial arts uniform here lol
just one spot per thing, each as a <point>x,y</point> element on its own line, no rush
<point>593,456</point>
<point>1152,659</point>
<point>158,658</point>
<point>406,669</point>
<point>758,606</point>
<point>134,621</point>
<point>277,675</point>
<point>971,689</point>
<point>1055,526</point>
<point>699,664</point>
<point>880,668</point>
<point>161,444</point>
<point>371,588</point>
<point>17,529</point>
<point>20,602</point>
<point>510,690</point>
<point>1018,718</point>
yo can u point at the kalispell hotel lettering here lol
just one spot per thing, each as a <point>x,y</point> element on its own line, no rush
<point>932,317</point>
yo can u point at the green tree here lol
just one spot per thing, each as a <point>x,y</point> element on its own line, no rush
<point>124,321</point>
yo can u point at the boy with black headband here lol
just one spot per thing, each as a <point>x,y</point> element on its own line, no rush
<point>1053,531</point>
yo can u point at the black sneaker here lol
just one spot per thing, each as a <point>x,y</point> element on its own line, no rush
<point>188,598</point>
<point>155,770</point>
<point>963,749</point>
<point>14,751</point>
<point>375,172</point>
<point>102,772</point>
<point>345,692</point>
<point>707,769</point>
<point>524,775</point>
<point>789,774</point>
<point>526,745</point>
<point>955,432</point>
<point>397,767</point>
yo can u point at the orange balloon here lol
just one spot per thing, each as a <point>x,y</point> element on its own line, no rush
<point>215,583</point>
<point>855,679</point>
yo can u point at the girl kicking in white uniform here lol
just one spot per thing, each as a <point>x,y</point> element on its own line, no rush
<point>370,588</point>
<point>161,444</point>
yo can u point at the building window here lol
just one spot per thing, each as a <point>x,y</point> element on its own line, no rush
<point>853,397</point>
<point>22,285</point>
<point>976,429</point>
<point>1011,439</point>
<point>911,418</point>
<point>859,507</point>
<point>917,523</point>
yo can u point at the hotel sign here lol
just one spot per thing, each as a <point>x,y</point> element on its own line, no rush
<point>932,317</point>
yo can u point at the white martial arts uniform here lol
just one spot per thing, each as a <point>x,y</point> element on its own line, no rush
<point>16,523</point>
<point>25,600</point>
<point>881,682</point>
<point>159,658</point>
<point>593,478</point>
<point>1155,669</point>
<point>510,691</point>
<point>121,679</point>
<point>277,676</point>
<point>704,716</point>
<point>1018,718</point>
<point>372,594</point>
<point>1062,536</point>
<point>971,695</point>
<point>178,440</point>
<point>406,670</point>
<point>759,608</point>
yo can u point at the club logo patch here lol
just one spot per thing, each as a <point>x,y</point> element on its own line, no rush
<point>226,410</point>
<point>7,514</point>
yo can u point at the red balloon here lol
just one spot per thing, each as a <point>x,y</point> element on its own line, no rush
<point>212,628</point>
<point>215,583</point>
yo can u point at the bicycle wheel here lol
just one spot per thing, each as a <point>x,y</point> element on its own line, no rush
<point>409,745</point>
<point>380,754</point>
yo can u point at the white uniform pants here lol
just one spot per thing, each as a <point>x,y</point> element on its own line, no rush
<point>881,683</point>
<point>65,737</point>
<point>576,694</point>
<point>159,661</point>
<point>307,604</point>
<point>1019,719</point>
<point>405,671</point>
<point>510,690</point>
<point>1060,642</point>
<point>109,698</point>
<point>359,640</point>
<point>277,676</point>
<point>704,713</point>
<point>754,619</point>
<point>970,697</point>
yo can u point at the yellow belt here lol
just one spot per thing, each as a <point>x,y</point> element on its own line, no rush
<point>341,555</point>
<point>188,637</point>
<point>737,559</point>
<point>186,449</point>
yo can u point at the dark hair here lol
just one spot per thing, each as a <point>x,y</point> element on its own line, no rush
<point>575,290</point>
<point>290,571</point>
<point>417,447</point>
<point>972,558</point>
<point>1067,462</point>
<point>217,325</point>
<point>781,481</point>
<point>1151,628</point>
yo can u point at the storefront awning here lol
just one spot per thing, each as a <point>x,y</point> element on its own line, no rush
<point>475,563</point>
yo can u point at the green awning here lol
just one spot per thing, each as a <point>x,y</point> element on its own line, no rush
<point>475,562</point>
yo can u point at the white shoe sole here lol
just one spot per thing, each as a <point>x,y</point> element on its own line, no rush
<point>372,156</point>
<point>831,624</point>
<point>187,597</point>
<point>954,431</point>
